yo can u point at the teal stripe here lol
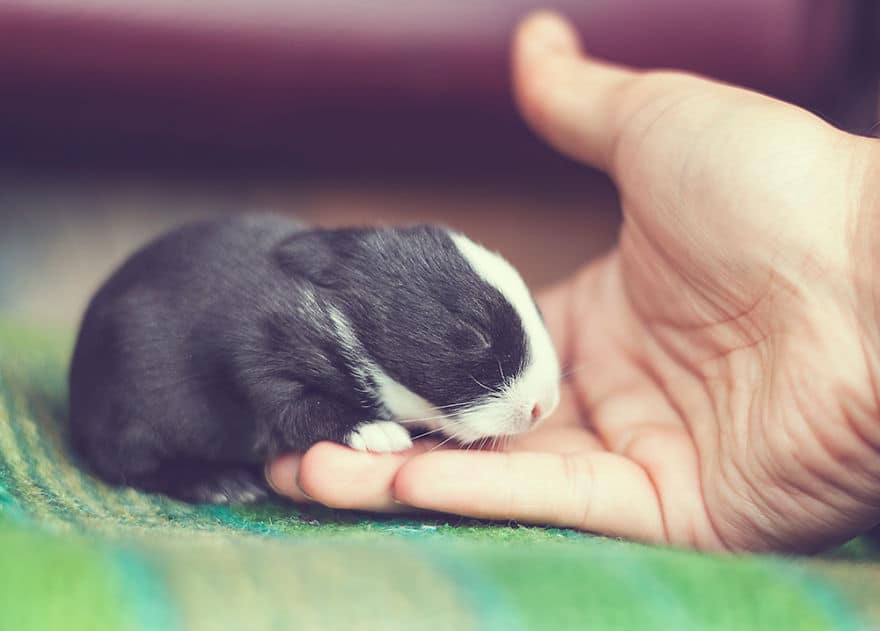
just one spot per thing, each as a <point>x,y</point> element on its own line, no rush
<point>9,507</point>
<point>480,591</point>
<point>833,605</point>
<point>225,516</point>
<point>645,582</point>
<point>149,604</point>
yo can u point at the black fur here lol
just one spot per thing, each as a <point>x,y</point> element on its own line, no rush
<point>209,350</point>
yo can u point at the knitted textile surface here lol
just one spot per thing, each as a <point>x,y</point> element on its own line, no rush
<point>78,554</point>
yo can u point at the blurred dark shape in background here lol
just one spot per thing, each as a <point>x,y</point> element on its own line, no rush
<point>118,119</point>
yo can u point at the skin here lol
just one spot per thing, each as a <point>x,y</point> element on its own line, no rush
<point>725,355</point>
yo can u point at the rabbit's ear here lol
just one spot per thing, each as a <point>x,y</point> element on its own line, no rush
<point>307,255</point>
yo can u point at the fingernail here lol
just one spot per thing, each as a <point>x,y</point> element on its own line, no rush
<point>306,495</point>
<point>267,475</point>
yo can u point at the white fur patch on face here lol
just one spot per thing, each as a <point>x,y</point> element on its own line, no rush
<point>380,437</point>
<point>539,381</point>
<point>508,412</point>
<point>500,416</point>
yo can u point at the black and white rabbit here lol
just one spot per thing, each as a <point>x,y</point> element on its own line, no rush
<point>223,343</point>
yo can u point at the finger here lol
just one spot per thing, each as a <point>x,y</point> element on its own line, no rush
<point>598,492</point>
<point>670,457</point>
<point>282,474</point>
<point>339,477</point>
<point>571,100</point>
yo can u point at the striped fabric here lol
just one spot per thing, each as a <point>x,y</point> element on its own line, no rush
<point>76,554</point>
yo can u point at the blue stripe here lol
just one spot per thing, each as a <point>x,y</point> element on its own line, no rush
<point>149,603</point>
<point>841,614</point>
<point>477,590</point>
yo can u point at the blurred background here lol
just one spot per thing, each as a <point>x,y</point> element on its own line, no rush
<point>120,119</point>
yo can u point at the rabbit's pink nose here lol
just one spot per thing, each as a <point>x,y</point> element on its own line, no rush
<point>536,412</point>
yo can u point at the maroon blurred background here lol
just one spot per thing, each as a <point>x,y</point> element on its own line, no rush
<point>357,86</point>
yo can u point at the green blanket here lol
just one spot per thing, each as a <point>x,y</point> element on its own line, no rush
<point>76,554</point>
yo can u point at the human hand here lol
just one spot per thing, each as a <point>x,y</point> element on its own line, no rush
<point>724,357</point>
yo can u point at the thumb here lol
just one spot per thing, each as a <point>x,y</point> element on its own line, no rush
<point>569,99</point>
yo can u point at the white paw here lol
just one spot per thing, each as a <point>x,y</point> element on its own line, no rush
<point>379,436</point>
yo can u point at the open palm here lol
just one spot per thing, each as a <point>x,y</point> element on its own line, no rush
<point>721,367</point>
